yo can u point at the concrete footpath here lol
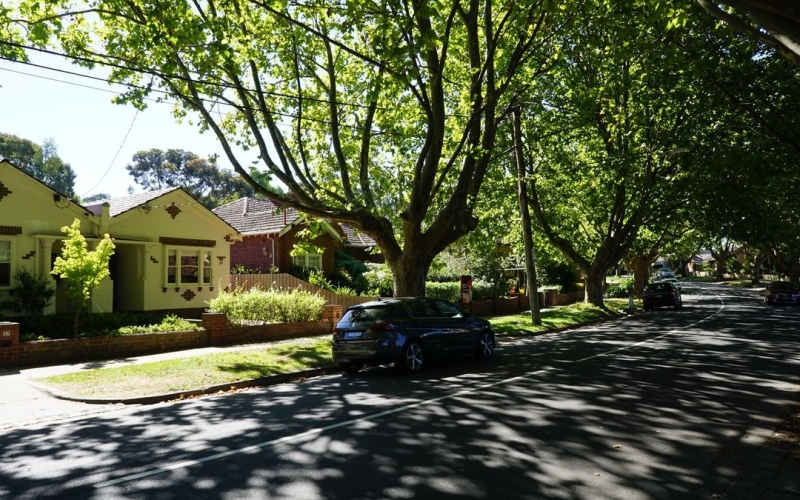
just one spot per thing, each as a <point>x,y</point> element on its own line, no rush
<point>772,473</point>
<point>23,403</point>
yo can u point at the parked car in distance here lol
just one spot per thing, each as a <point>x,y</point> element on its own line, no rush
<point>407,332</point>
<point>665,272</point>
<point>675,282</point>
<point>781,292</point>
<point>661,294</point>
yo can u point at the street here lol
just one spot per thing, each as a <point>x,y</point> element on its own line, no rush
<point>668,404</point>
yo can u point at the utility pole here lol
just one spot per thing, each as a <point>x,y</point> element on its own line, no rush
<point>527,234</point>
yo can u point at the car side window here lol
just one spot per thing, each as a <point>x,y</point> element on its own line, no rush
<point>422,309</point>
<point>448,310</point>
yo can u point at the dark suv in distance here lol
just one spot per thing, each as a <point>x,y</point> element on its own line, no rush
<point>661,294</point>
<point>407,332</point>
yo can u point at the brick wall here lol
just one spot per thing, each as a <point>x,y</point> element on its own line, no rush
<point>250,252</point>
<point>216,332</point>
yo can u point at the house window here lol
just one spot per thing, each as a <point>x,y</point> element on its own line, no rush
<point>187,266</point>
<point>308,260</point>
<point>5,263</point>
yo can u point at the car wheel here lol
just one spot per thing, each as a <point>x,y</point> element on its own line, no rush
<point>486,346</point>
<point>413,357</point>
<point>351,367</point>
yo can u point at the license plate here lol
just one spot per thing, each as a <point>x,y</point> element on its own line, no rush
<point>353,335</point>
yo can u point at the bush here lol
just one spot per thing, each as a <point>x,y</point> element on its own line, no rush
<point>268,306</point>
<point>59,326</point>
<point>170,323</point>
<point>447,291</point>
<point>30,294</point>
<point>560,274</point>
<point>620,290</point>
<point>380,280</point>
<point>315,277</point>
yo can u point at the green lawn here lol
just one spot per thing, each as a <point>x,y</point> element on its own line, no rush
<point>200,372</point>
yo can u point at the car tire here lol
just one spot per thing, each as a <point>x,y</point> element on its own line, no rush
<point>351,367</point>
<point>413,357</point>
<point>486,346</point>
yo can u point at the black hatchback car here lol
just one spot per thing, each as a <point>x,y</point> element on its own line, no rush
<point>407,332</point>
<point>661,294</point>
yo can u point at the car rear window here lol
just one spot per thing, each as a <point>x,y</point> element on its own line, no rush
<point>659,287</point>
<point>362,314</point>
<point>422,309</point>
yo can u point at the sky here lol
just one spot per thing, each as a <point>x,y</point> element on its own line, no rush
<point>94,136</point>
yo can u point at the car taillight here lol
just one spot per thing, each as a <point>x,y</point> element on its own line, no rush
<point>337,334</point>
<point>381,327</point>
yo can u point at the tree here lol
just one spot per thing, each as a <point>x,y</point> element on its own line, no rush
<point>155,169</point>
<point>382,115</point>
<point>610,134</point>
<point>82,270</point>
<point>40,162</point>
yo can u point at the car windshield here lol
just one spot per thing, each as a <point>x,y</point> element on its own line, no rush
<point>362,314</point>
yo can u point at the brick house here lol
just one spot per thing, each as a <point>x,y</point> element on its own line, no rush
<point>269,234</point>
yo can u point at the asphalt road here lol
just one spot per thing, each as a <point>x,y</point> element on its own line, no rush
<point>668,404</point>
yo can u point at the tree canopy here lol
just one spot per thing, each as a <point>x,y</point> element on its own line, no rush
<point>156,169</point>
<point>40,162</point>
<point>383,114</point>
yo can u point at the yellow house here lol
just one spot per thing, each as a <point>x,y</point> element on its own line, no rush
<point>171,252</point>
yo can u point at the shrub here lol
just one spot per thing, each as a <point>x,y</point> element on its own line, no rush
<point>447,291</point>
<point>558,274</point>
<point>620,290</point>
<point>30,294</point>
<point>59,326</point>
<point>170,323</point>
<point>380,280</point>
<point>315,277</point>
<point>269,306</point>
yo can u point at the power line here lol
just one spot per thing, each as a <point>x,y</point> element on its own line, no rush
<point>115,155</point>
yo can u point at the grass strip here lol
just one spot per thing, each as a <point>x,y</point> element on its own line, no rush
<point>199,372</point>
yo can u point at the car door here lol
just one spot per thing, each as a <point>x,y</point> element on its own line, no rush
<point>462,334</point>
<point>428,325</point>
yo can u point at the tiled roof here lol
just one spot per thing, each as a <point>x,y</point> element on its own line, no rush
<point>125,203</point>
<point>263,216</point>
<point>355,238</point>
<point>256,215</point>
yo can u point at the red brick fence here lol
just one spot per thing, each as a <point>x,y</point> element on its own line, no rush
<point>216,332</point>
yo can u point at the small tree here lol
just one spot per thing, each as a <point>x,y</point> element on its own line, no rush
<point>82,270</point>
<point>30,295</point>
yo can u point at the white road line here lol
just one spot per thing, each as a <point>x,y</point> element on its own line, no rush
<point>320,430</point>
<point>311,432</point>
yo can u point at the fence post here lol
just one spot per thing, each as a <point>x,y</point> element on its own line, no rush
<point>9,344</point>
<point>331,313</point>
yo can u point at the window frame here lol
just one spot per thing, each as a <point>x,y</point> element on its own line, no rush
<point>11,249</point>
<point>306,258</point>
<point>204,268</point>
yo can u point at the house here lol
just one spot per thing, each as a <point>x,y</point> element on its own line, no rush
<point>270,234</point>
<point>171,252</point>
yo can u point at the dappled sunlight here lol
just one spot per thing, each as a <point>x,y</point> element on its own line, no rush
<point>673,412</point>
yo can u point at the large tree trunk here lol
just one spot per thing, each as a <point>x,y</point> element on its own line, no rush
<point>593,283</point>
<point>410,273</point>
<point>641,273</point>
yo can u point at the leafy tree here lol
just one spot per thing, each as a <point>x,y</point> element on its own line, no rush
<point>156,169</point>
<point>82,270</point>
<point>382,115</point>
<point>40,162</point>
<point>610,134</point>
